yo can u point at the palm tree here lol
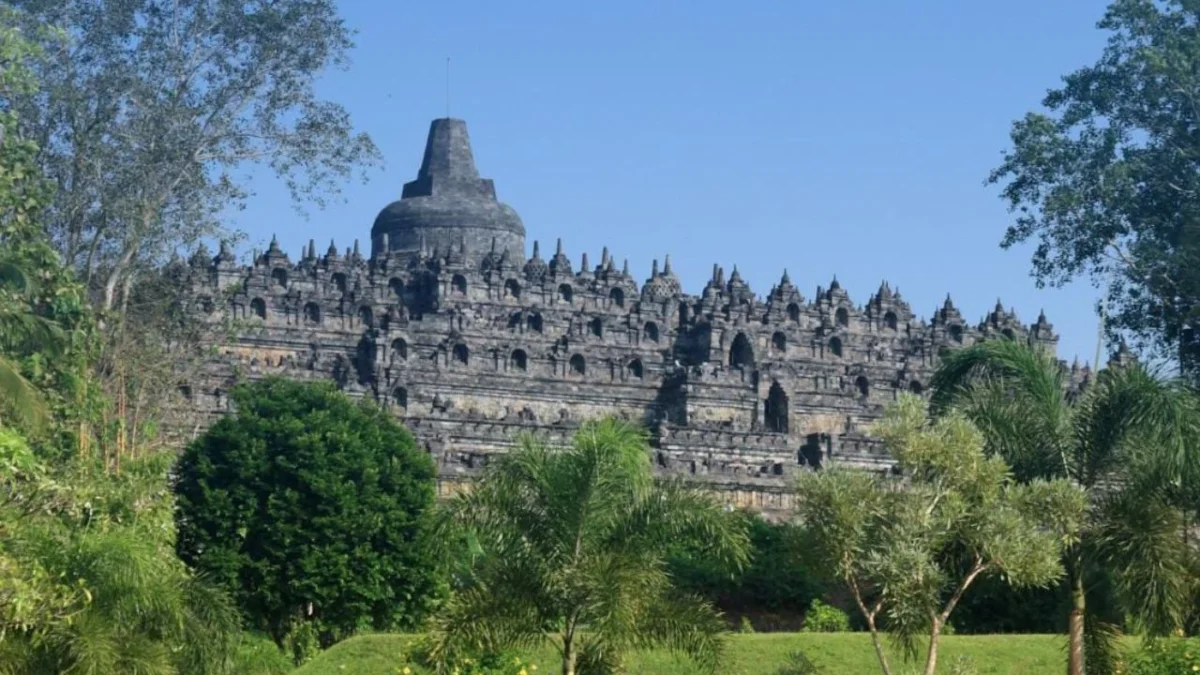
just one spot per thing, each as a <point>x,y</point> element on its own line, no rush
<point>573,547</point>
<point>1126,440</point>
<point>21,330</point>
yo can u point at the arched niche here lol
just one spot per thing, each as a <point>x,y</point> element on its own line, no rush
<point>312,313</point>
<point>793,312</point>
<point>578,365</point>
<point>617,296</point>
<point>891,321</point>
<point>258,307</point>
<point>635,369</point>
<point>835,346</point>
<point>741,352</point>
<point>842,317</point>
<point>518,360</point>
<point>863,386</point>
<point>512,289</point>
<point>399,350</point>
<point>650,331</point>
<point>779,343</point>
<point>775,411</point>
<point>462,355</point>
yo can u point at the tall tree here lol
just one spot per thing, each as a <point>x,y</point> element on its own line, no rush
<point>573,547</point>
<point>150,110</point>
<point>1128,441</point>
<point>1106,180</point>
<point>909,552</point>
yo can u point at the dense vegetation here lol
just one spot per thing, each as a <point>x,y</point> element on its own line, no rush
<point>312,512</point>
<point>307,518</point>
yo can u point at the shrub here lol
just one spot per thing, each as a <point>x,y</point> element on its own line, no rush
<point>823,618</point>
<point>776,582</point>
<point>310,508</point>
<point>1171,656</point>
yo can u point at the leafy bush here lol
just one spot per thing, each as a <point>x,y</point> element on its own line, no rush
<point>1172,656</point>
<point>311,508</point>
<point>777,581</point>
<point>823,618</point>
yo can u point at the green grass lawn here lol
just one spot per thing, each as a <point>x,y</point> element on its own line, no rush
<point>756,654</point>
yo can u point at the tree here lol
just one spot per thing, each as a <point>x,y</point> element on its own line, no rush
<point>909,551</point>
<point>572,549</point>
<point>1106,183</point>
<point>149,114</point>
<point>1127,441</point>
<point>310,508</point>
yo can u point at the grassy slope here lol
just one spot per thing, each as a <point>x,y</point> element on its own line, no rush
<point>759,654</point>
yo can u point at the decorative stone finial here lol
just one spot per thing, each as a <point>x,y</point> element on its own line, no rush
<point>667,264</point>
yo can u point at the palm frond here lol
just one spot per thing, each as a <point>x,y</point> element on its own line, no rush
<point>685,624</point>
<point>1017,396</point>
<point>19,395</point>
<point>1101,646</point>
<point>476,621</point>
<point>1129,408</point>
<point>17,278</point>
<point>26,331</point>
<point>1137,540</point>
<point>674,513</point>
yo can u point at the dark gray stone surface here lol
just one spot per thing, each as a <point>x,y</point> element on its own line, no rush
<point>472,344</point>
<point>448,205</point>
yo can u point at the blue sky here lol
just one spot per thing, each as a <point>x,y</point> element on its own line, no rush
<point>849,138</point>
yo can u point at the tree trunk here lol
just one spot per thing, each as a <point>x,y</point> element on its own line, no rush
<point>568,656</point>
<point>931,655</point>
<point>883,662</point>
<point>1075,622</point>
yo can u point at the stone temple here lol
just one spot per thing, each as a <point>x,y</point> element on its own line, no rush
<point>471,343</point>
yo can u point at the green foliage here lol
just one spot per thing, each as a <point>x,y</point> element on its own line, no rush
<point>91,580</point>
<point>308,507</point>
<point>745,626</point>
<point>1171,656</point>
<point>155,108</point>
<point>888,543</point>
<point>771,587</point>
<point>1129,428</point>
<point>1104,180</point>
<point>823,618</point>
<point>574,542</point>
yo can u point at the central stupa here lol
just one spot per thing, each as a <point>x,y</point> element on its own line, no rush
<point>448,205</point>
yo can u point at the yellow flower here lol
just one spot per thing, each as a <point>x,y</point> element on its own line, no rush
<point>523,672</point>
<point>533,666</point>
<point>407,670</point>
